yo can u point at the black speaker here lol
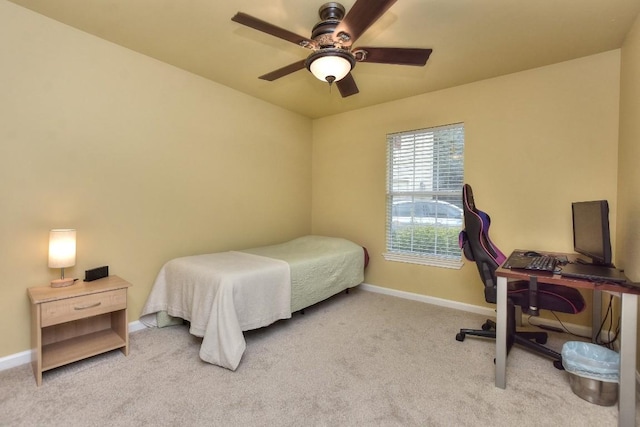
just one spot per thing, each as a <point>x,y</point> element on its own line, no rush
<point>96,273</point>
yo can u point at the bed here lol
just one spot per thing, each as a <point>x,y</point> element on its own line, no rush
<point>223,294</point>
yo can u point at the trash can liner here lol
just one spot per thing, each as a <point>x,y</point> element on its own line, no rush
<point>591,361</point>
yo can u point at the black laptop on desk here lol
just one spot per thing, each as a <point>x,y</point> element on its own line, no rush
<point>594,273</point>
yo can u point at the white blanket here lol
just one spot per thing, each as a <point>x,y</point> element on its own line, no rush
<point>222,294</point>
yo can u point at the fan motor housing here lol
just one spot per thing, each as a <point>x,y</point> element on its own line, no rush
<point>330,14</point>
<point>331,10</point>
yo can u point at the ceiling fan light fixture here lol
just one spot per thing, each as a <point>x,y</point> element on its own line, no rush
<point>330,64</point>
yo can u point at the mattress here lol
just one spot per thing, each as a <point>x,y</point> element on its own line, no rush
<point>223,294</point>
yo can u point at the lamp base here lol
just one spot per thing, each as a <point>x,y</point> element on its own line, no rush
<point>61,283</point>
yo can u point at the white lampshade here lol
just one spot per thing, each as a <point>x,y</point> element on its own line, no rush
<point>330,65</point>
<point>62,248</point>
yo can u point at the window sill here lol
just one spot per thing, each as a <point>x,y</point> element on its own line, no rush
<point>424,260</point>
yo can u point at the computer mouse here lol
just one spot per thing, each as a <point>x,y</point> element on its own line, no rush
<point>532,253</point>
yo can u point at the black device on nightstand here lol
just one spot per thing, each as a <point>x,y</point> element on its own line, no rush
<point>96,273</point>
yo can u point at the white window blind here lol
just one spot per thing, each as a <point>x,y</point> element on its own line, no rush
<point>424,195</point>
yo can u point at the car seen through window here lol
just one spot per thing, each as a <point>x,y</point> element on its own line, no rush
<point>430,212</point>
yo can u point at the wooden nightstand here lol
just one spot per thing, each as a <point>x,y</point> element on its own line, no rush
<point>76,322</point>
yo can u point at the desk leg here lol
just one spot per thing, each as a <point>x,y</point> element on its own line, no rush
<point>501,333</point>
<point>627,391</point>
<point>596,315</point>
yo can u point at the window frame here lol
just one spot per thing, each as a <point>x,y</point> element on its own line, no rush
<point>446,174</point>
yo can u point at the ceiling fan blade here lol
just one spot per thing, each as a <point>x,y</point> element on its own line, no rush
<point>347,86</point>
<point>265,27</point>
<point>393,55</point>
<point>281,72</point>
<point>359,18</point>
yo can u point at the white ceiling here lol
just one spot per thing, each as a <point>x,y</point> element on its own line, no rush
<point>471,40</point>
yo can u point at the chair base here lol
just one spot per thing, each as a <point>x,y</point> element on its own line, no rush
<point>533,341</point>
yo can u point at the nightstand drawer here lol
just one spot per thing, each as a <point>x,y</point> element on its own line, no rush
<point>66,310</point>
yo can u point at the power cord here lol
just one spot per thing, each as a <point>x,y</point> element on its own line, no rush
<point>608,316</point>
<point>564,329</point>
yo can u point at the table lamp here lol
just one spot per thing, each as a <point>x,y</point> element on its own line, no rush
<point>62,253</point>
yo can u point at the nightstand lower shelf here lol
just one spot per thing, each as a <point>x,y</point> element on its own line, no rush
<point>78,348</point>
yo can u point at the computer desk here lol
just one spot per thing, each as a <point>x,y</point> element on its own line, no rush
<point>629,316</point>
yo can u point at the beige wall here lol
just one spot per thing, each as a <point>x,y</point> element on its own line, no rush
<point>629,153</point>
<point>149,162</point>
<point>555,127</point>
<point>146,161</point>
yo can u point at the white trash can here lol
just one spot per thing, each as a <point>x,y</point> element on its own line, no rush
<point>593,371</point>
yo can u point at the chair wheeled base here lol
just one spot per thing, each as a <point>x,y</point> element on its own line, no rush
<point>531,340</point>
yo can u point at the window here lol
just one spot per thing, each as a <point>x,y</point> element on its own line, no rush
<point>424,195</point>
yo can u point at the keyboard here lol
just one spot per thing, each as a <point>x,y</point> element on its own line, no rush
<point>542,263</point>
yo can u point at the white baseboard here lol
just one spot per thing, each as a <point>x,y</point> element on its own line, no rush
<point>485,311</point>
<point>136,326</point>
<point>24,357</point>
<point>13,360</point>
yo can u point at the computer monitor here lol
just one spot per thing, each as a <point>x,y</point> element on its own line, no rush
<point>591,231</point>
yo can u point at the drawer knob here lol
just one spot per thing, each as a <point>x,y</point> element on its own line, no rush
<point>84,307</point>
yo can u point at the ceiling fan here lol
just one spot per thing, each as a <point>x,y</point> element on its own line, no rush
<point>331,40</point>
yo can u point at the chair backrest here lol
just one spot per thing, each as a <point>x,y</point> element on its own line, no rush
<point>476,244</point>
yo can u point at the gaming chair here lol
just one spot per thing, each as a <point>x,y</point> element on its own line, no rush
<point>477,246</point>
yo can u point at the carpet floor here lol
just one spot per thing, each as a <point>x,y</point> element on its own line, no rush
<point>357,359</point>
